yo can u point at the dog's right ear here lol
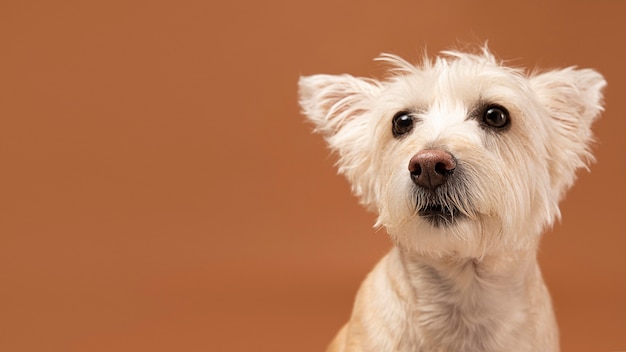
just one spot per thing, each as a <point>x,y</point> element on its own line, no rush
<point>340,106</point>
<point>331,101</point>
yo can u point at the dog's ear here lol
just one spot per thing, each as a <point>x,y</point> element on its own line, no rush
<point>573,99</point>
<point>339,106</point>
<point>331,101</point>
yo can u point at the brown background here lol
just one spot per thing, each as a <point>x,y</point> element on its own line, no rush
<point>160,191</point>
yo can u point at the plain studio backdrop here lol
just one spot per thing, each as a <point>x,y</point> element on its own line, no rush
<point>160,190</point>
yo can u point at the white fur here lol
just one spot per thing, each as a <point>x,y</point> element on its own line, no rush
<point>473,285</point>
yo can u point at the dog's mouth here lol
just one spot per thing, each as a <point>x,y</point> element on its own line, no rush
<point>440,215</point>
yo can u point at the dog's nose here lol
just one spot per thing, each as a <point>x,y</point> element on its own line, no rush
<point>431,168</point>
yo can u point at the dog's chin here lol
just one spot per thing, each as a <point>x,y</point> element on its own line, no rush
<point>440,216</point>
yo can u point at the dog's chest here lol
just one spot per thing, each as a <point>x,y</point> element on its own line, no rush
<point>410,307</point>
<point>461,315</point>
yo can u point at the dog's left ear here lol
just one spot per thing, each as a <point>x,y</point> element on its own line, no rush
<point>571,94</point>
<point>573,99</point>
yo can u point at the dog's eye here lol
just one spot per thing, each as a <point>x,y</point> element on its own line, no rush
<point>496,116</point>
<point>402,123</point>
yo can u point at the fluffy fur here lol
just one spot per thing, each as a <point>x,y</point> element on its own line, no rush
<point>470,282</point>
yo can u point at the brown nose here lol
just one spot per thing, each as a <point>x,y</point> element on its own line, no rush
<point>431,168</point>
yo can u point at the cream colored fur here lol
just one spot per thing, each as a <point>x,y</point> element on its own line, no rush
<point>473,283</point>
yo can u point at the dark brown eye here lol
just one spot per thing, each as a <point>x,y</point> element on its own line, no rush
<point>496,116</point>
<point>402,123</point>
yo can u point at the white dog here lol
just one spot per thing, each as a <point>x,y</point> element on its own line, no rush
<point>465,162</point>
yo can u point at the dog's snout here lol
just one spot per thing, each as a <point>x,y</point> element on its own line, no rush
<point>431,168</point>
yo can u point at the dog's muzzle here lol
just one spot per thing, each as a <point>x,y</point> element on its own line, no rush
<point>430,171</point>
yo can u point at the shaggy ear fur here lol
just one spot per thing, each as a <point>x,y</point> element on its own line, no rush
<point>338,105</point>
<point>330,101</point>
<point>573,98</point>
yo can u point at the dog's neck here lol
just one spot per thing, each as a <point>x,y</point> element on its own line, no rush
<point>476,301</point>
<point>508,269</point>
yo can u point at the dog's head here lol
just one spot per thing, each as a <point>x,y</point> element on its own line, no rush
<point>459,154</point>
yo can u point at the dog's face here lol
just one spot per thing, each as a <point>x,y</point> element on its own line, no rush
<point>461,155</point>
